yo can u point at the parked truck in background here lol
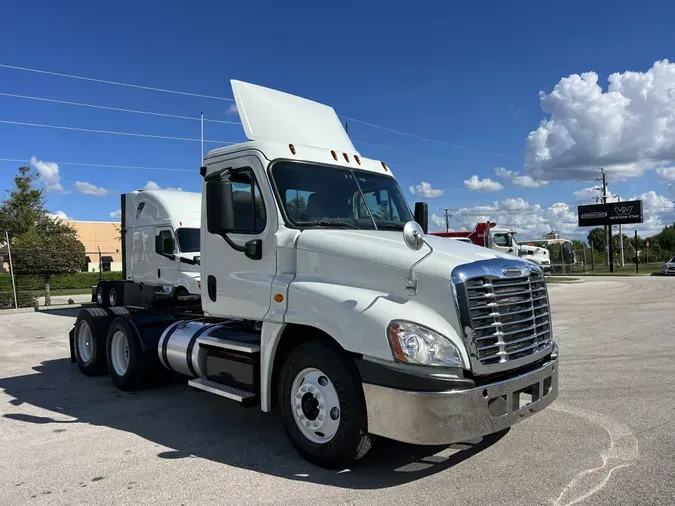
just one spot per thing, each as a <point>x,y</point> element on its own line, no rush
<point>160,250</point>
<point>322,295</point>
<point>488,235</point>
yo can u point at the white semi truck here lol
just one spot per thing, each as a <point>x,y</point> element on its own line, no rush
<point>488,235</point>
<point>160,250</point>
<point>323,296</point>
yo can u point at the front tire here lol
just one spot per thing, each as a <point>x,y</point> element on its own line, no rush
<point>322,406</point>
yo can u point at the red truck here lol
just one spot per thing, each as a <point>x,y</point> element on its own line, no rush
<point>487,234</point>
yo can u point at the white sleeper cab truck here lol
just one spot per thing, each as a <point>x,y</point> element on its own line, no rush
<point>322,296</point>
<point>161,232</point>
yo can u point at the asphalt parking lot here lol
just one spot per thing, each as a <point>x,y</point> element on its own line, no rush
<point>609,439</point>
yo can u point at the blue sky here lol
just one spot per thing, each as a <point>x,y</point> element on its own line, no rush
<point>467,75</point>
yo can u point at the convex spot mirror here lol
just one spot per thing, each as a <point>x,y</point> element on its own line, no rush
<point>413,235</point>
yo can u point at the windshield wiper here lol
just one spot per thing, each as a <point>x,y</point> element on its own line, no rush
<point>395,226</point>
<point>337,223</point>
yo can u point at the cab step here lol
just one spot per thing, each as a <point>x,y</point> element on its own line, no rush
<point>229,344</point>
<point>236,394</point>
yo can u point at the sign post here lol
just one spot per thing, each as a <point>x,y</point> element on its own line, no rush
<point>616,213</point>
<point>636,254</point>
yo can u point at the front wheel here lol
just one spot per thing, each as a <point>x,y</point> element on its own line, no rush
<point>322,406</point>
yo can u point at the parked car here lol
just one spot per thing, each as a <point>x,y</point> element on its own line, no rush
<point>668,267</point>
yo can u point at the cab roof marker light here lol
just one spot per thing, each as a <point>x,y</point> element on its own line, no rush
<point>358,160</point>
<point>384,166</point>
<point>292,148</point>
<point>346,157</point>
<point>335,157</point>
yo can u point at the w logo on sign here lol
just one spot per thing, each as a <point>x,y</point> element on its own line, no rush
<point>623,210</point>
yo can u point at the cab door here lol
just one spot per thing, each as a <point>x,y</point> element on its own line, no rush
<point>503,242</point>
<point>165,249</point>
<point>239,283</point>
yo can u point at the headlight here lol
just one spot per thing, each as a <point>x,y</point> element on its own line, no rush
<point>414,344</point>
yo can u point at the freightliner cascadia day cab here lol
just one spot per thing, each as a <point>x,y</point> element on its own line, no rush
<point>160,250</point>
<point>322,296</point>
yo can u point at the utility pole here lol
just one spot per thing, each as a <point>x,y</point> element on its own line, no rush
<point>608,228</point>
<point>621,237</point>
<point>447,218</point>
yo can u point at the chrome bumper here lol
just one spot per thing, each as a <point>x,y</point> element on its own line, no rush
<point>429,418</point>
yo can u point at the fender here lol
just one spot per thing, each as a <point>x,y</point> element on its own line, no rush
<point>357,318</point>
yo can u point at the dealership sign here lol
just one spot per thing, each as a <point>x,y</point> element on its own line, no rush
<point>616,213</point>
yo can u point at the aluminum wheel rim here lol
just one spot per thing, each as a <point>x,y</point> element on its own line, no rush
<point>119,353</point>
<point>315,405</point>
<point>112,297</point>
<point>99,295</point>
<point>85,342</point>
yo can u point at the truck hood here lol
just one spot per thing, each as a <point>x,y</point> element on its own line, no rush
<point>387,249</point>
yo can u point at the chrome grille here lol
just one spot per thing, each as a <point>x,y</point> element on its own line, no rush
<point>506,319</point>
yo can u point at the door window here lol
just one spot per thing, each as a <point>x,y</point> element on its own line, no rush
<point>502,240</point>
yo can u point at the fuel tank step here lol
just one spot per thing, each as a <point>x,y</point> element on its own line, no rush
<point>229,344</point>
<point>236,394</point>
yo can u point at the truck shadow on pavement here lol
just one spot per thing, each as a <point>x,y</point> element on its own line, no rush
<point>191,423</point>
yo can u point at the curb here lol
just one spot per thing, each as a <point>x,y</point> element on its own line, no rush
<point>44,309</point>
<point>552,279</point>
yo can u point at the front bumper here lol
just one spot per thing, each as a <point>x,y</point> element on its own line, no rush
<point>429,418</point>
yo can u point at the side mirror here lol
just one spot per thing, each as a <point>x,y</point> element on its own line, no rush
<point>422,216</point>
<point>219,207</point>
<point>378,197</point>
<point>413,235</point>
<point>163,244</point>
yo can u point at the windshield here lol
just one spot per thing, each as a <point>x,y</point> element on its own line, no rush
<point>188,240</point>
<point>320,195</point>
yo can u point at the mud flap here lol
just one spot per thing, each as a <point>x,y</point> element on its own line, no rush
<point>71,342</point>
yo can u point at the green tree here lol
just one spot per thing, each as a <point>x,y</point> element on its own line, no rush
<point>665,240</point>
<point>24,207</point>
<point>41,245</point>
<point>597,239</point>
<point>296,208</point>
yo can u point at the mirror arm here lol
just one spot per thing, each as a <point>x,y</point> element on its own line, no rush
<point>232,244</point>
<point>411,280</point>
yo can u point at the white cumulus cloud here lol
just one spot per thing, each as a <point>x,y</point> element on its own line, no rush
<point>151,185</point>
<point>425,190</point>
<point>60,215</point>
<point>666,174</point>
<point>116,214</point>
<point>531,221</point>
<point>48,174</point>
<point>90,189</point>
<point>627,128</point>
<point>473,184</point>
<point>517,179</point>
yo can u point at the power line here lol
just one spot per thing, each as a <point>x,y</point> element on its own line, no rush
<point>116,83</point>
<point>96,106</point>
<point>176,92</point>
<point>456,146</point>
<point>406,152</point>
<point>106,166</point>
<point>111,132</point>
